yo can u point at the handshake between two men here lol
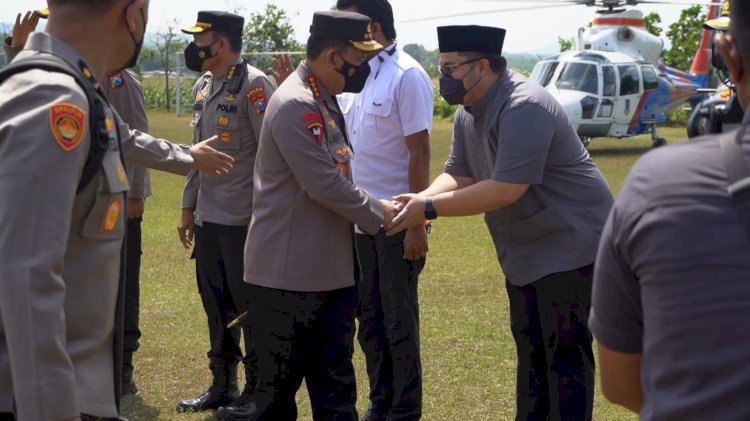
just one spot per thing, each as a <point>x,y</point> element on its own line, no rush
<point>403,212</point>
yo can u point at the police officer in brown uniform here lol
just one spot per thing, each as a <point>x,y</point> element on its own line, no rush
<point>299,255</point>
<point>60,245</point>
<point>125,94</point>
<point>229,101</point>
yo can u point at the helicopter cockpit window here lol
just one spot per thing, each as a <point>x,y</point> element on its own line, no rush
<point>629,80</point>
<point>579,77</point>
<point>650,81</point>
<point>609,81</point>
<point>543,72</point>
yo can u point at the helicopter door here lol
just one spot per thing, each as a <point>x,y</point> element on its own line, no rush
<point>626,103</point>
<point>606,109</point>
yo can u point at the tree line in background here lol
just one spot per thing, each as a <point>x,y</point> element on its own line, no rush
<point>271,30</point>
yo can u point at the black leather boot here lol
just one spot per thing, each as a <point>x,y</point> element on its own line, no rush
<point>222,391</point>
<point>243,408</point>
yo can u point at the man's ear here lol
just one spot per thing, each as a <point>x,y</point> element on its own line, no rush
<point>133,15</point>
<point>377,29</point>
<point>731,55</point>
<point>331,57</point>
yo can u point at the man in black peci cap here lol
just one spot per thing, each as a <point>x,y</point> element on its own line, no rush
<point>229,101</point>
<point>300,259</point>
<point>516,158</point>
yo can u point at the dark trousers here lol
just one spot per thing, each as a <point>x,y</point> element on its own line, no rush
<point>219,257</point>
<point>555,378</point>
<point>306,335</point>
<point>388,315</point>
<point>132,287</point>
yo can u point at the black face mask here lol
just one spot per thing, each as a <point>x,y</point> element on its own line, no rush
<point>355,77</point>
<point>452,90</point>
<point>195,56</point>
<point>138,44</point>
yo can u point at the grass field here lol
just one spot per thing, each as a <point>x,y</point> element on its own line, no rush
<point>468,352</point>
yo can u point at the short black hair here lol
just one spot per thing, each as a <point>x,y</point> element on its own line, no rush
<point>92,5</point>
<point>316,45</point>
<point>380,11</point>
<point>497,62</point>
<point>235,41</point>
<point>739,13</point>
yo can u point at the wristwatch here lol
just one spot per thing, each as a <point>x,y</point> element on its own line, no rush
<point>429,210</point>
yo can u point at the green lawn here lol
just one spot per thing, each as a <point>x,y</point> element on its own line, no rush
<point>468,352</point>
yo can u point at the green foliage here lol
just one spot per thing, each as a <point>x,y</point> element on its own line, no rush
<point>652,21</point>
<point>155,93</point>
<point>685,35</point>
<point>442,109</point>
<point>428,59</point>
<point>269,31</point>
<point>566,44</point>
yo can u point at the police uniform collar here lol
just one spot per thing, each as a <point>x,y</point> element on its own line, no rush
<point>308,78</point>
<point>46,43</point>
<point>489,97</point>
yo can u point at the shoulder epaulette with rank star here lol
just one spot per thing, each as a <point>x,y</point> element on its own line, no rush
<point>312,82</point>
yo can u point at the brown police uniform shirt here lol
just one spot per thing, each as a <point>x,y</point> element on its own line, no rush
<point>233,109</point>
<point>125,94</point>
<point>301,235</point>
<point>60,250</point>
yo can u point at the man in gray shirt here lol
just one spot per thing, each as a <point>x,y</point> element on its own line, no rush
<point>671,292</point>
<point>516,158</point>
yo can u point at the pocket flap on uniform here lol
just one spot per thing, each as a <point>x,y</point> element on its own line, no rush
<point>380,107</point>
<point>117,179</point>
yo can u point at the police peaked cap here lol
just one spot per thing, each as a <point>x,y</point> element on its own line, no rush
<point>471,38</point>
<point>217,21</point>
<point>354,28</point>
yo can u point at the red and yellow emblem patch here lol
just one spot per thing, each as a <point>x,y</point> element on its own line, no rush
<point>257,96</point>
<point>314,123</point>
<point>68,124</point>
<point>113,216</point>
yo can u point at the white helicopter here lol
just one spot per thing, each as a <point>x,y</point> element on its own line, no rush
<point>615,84</point>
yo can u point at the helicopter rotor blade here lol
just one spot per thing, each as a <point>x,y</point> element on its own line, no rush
<point>484,12</point>
<point>678,2</point>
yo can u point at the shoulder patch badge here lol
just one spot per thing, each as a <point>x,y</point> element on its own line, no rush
<point>257,96</point>
<point>68,124</point>
<point>314,122</point>
<point>116,80</point>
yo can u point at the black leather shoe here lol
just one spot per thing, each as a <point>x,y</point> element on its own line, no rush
<point>129,388</point>
<point>212,399</point>
<point>242,409</point>
<point>371,415</point>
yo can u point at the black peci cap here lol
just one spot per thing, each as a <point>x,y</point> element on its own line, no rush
<point>346,26</point>
<point>217,21</point>
<point>471,38</point>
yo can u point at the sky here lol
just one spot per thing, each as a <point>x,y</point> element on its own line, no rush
<point>530,30</point>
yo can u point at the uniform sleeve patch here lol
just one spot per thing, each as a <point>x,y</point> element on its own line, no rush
<point>314,122</point>
<point>68,124</point>
<point>116,80</point>
<point>257,96</point>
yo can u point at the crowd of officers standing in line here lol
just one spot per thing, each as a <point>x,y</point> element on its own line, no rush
<point>290,231</point>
